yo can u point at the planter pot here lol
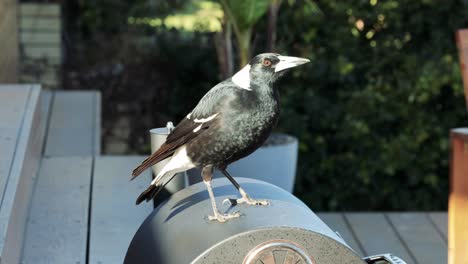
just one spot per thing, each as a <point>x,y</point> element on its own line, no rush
<point>275,162</point>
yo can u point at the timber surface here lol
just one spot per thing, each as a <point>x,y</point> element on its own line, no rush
<point>60,225</point>
<point>416,237</point>
<point>29,130</point>
<point>74,124</point>
<point>83,210</point>
<point>20,154</point>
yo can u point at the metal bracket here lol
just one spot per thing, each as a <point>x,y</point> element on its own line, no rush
<point>384,259</point>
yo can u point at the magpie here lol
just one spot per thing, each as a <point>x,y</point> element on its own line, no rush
<point>230,122</point>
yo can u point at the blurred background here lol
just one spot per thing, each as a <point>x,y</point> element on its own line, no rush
<point>372,111</point>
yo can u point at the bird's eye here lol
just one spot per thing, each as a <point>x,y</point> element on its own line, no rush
<point>267,62</point>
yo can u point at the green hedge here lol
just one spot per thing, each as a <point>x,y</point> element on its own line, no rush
<point>374,107</point>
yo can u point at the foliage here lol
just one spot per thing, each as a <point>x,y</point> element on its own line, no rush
<point>90,18</point>
<point>372,110</point>
<point>200,16</point>
<point>243,15</point>
<point>374,107</point>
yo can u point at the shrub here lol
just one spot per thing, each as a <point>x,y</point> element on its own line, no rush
<point>374,107</point>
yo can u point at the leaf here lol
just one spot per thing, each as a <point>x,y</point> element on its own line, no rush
<point>245,13</point>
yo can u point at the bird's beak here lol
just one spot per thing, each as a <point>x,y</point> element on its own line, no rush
<point>287,62</point>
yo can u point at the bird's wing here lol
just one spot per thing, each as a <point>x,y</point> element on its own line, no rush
<point>203,116</point>
<point>186,130</point>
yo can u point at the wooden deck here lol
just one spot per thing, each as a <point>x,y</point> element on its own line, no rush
<point>20,147</point>
<point>36,124</point>
<point>416,237</point>
<point>82,204</point>
<point>83,212</point>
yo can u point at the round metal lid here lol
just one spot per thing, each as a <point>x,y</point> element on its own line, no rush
<point>278,252</point>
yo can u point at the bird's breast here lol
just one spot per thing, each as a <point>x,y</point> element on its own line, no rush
<point>251,125</point>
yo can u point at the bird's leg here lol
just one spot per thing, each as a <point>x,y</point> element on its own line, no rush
<point>245,197</point>
<point>207,175</point>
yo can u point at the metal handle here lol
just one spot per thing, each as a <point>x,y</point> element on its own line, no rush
<point>384,259</point>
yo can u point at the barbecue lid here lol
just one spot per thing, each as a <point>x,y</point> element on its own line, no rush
<point>286,231</point>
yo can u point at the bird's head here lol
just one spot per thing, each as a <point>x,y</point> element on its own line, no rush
<point>266,67</point>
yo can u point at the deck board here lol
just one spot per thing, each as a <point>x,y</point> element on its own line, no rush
<point>46,102</point>
<point>440,219</point>
<point>114,217</point>
<point>337,222</point>
<point>74,127</point>
<point>17,179</point>
<point>58,222</point>
<point>376,235</point>
<point>13,102</point>
<point>421,237</point>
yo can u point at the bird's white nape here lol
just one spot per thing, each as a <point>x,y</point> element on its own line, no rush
<point>242,78</point>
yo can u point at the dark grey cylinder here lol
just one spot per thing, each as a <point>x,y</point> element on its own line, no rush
<point>286,231</point>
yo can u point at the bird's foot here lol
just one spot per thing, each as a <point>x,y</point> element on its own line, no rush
<point>246,200</point>
<point>223,217</point>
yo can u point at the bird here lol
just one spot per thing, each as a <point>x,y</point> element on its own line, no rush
<point>231,121</point>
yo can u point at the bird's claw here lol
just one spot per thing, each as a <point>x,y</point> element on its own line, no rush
<point>246,200</point>
<point>223,217</point>
<point>230,201</point>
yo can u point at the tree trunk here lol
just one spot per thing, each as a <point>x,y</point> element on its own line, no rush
<point>272,21</point>
<point>223,45</point>
<point>228,45</point>
<point>243,41</point>
<point>221,54</point>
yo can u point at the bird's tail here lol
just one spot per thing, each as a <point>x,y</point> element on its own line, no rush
<point>148,194</point>
<point>153,190</point>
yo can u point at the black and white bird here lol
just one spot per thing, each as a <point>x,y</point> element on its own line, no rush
<point>230,122</point>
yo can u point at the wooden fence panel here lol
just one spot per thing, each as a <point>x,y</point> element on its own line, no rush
<point>8,41</point>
